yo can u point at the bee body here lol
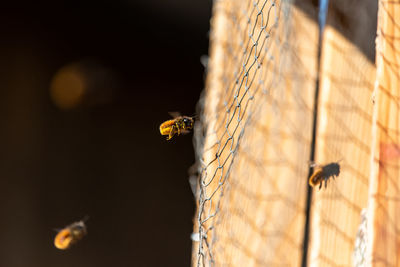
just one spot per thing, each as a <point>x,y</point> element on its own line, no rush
<point>178,125</point>
<point>70,235</point>
<point>166,127</point>
<point>323,173</point>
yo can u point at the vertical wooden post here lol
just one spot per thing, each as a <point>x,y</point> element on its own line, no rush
<point>343,135</point>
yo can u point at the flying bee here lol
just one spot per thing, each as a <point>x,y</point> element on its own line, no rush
<point>323,173</point>
<point>70,235</point>
<point>179,124</point>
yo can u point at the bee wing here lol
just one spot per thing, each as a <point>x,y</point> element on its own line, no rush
<point>175,114</point>
<point>313,164</point>
<point>185,131</point>
<point>85,218</point>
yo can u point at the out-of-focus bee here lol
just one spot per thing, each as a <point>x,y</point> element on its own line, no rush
<point>323,173</point>
<point>70,235</point>
<point>179,124</point>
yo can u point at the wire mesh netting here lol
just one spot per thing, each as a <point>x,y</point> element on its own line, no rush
<point>253,136</point>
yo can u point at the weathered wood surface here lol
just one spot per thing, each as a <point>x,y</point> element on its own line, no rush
<point>384,204</point>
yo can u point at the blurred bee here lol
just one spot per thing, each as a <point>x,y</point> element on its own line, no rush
<point>179,124</point>
<point>70,235</point>
<point>323,173</point>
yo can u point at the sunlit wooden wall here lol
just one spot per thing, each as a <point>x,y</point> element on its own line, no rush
<point>384,207</point>
<point>256,138</point>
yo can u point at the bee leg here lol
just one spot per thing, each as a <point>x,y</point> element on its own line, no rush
<point>320,185</point>
<point>326,182</point>
<point>179,130</point>
<point>171,133</point>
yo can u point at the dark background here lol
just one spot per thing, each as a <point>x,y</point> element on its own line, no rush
<point>103,157</point>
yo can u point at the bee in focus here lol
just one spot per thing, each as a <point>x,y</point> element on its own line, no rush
<point>323,173</point>
<point>70,235</point>
<point>179,124</point>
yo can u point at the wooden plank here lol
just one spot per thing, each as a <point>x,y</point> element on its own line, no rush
<point>384,205</point>
<point>343,134</point>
